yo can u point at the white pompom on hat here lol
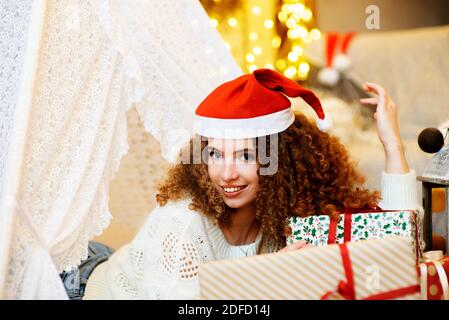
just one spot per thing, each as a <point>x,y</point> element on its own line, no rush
<point>342,62</point>
<point>329,76</point>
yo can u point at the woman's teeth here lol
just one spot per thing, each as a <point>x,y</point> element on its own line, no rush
<point>235,189</point>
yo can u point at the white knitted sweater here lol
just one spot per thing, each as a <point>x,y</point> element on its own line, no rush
<point>163,259</point>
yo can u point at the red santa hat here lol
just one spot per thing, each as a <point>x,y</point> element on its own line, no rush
<point>253,105</point>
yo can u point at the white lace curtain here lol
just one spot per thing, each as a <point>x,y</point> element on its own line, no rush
<point>71,72</point>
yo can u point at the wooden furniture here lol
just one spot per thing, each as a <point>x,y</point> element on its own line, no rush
<point>427,185</point>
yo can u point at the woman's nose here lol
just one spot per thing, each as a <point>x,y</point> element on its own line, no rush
<point>229,172</point>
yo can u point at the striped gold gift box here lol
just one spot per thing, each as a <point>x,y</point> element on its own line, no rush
<point>371,269</point>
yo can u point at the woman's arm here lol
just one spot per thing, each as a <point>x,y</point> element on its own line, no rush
<point>398,181</point>
<point>387,129</point>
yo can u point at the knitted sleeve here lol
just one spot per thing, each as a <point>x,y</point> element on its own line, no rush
<point>399,192</point>
<point>160,263</point>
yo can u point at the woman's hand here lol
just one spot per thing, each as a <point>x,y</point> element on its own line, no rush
<point>302,244</point>
<point>387,129</point>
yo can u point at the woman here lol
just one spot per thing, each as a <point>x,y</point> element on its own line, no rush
<point>236,203</point>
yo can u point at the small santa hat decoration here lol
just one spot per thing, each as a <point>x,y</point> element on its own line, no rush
<point>335,62</point>
<point>253,105</point>
<point>329,76</point>
<point>341,60</point>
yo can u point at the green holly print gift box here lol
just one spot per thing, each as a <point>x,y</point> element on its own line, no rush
<point>353,227</point>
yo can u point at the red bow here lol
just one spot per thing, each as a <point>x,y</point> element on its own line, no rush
<point>346,288</point>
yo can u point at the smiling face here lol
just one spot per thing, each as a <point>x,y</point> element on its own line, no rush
<point>232,168</point>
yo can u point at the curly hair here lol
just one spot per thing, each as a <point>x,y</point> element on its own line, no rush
<point>314,176</point>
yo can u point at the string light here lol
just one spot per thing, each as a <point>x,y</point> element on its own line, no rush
<point>232,22</point>
<point>297,7</point>
<point>293,56</point>
<point>302,31</point>
<point>296,33</point>
<point>286,8</point>
<point>291,23</point>
<point>257,51</point>
<point>276,42</point>
<point>214,22</point>
<point>292,34</point>
<point>298,50</point>
<point>250,57</point>
<point>315,34</point>
<point>252,67</point>
<point>253,36</point>
<point>307,15</point>
<point>256,10</point>
<point>268,23</point>
<point>294,15</point>
<point>290,72</point>
<point>304,68</point>
<point>282,16</point>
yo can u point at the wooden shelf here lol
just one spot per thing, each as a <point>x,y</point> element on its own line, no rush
<point>442,182</point>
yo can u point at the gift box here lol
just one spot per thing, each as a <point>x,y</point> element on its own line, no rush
<point>433,273</point>
<point>357,225</point>
<point>372,269</point>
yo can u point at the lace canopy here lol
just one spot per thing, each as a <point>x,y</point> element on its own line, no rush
<point>74,76</point>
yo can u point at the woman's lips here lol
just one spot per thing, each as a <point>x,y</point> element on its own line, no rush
<point>231,192</point>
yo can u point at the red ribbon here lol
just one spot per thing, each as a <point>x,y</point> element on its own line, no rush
<point>349,288</point>
<point>347,227</point>
<point>332,235</point>
<point>346,289</point>
<point>347,231</point>
<point>394,293</point>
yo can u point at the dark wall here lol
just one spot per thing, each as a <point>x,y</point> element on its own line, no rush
<point>349,15</point>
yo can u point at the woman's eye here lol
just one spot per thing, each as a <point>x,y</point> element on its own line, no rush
<point>214,154</point>
<point>247,156</point>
